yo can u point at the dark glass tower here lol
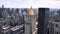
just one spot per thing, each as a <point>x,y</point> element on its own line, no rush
<point>0,12</point>
<point>43,20</point>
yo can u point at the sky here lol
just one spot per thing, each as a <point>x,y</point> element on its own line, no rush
<point>29,3</point>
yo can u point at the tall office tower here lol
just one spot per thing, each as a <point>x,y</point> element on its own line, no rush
<point>43,20</point>
<point>30,25</point>
<point>0,12</point>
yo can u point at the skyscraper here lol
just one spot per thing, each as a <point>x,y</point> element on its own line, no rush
<point>43,20</point>
<point>30,25</point>
<point>0,12</point>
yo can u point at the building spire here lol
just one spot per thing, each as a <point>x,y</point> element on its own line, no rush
<point>31,12</point>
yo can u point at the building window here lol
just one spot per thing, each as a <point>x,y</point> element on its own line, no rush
<point>57,25</point>
<point>56,32</point>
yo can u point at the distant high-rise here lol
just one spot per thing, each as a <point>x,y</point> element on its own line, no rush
<point>58,12</point>
<point>17,10</point>
<point>0,12</point>
<point>2,6</point>
<point>30,25</point>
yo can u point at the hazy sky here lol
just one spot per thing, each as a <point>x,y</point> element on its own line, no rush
<point>29,3</point>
